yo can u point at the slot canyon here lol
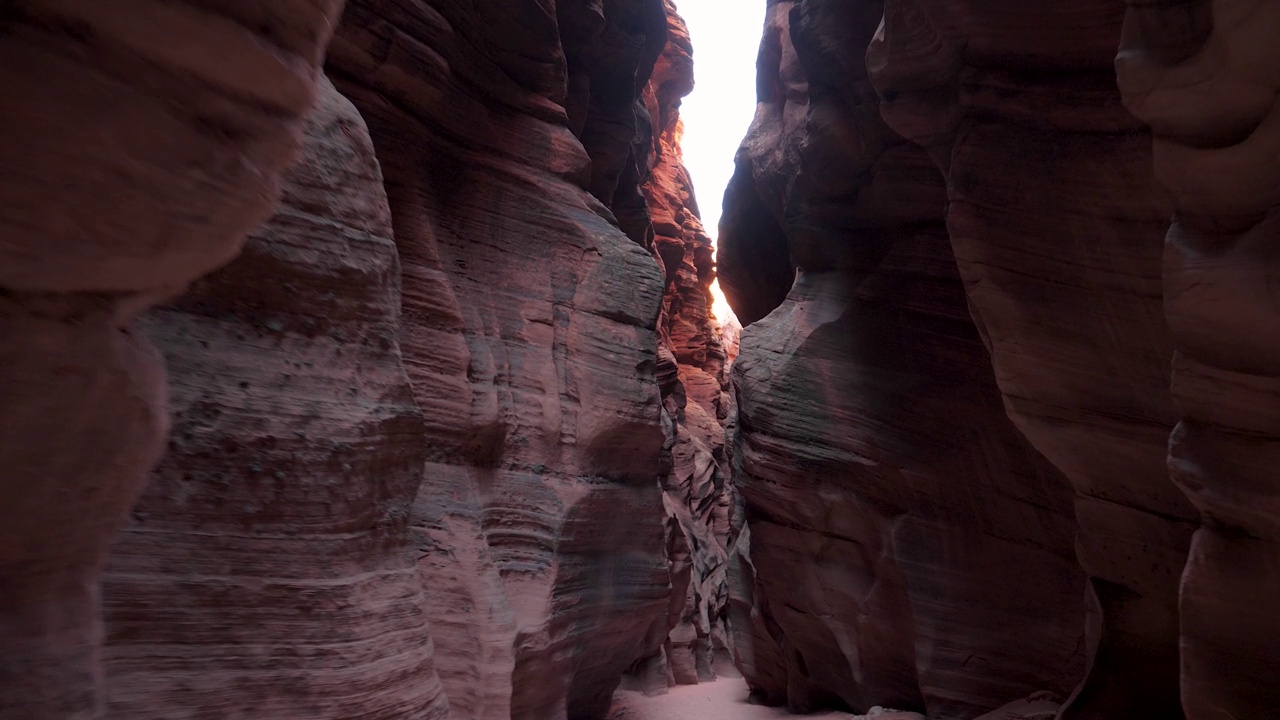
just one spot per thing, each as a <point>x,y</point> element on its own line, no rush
<point>358,361</point>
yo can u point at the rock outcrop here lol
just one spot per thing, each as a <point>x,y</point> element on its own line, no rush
<point>906,547</point>
<point>1047,193</point>
<point>132,161</point>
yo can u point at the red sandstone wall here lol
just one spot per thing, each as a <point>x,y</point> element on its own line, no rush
<point>130,165</point>
<point>419,442</point>
<point>1043,183</point>
<point>907,547</point>
<point>446,436</point>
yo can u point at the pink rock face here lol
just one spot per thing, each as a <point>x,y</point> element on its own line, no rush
<point>906,547</point>
<point>1056,222</point>
<point>133,160</point>
<point>1204,76</point>
<point>274,535</point>
<point>529,340</point>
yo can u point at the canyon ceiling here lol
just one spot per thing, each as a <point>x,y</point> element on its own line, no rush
<point>357,361</point>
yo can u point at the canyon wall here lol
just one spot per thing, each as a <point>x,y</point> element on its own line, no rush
<point>446,437</point>
<point>908,547</point>
<point>1206,78</point>
<point>529,338</point>
<point>1063,269</point>
<point>906,151</point>
<point>132,161</point>
<point>267,568</point>
<point>445,434</point>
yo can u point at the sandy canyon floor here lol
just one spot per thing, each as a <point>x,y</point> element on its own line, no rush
<point>724,699</point>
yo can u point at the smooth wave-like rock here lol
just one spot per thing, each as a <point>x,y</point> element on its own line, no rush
<point>1057,223</point>
<point>1064,137</point>
<point>419,442</point>
<point>447,436</point>
<point>1205,77</point>
<point>529,337</point>
<point>906,546</point>
<point>267,571</point>
<point>132,161</point>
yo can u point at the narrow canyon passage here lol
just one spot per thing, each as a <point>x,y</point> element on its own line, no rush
<point>377,360</point>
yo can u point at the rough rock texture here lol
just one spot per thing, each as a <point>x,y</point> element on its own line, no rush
<point>1056,222</point>
<point>137,145</point>
<point>1206,77</point>
<point>691,368</point>
<point>529,336</point>
<point>268,571</point>
<point>905,546</point>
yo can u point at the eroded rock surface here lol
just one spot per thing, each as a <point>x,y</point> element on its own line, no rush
<point>130,164</point>
<point>446,437</point>
<point>424,400</point>
<point>268,570</point>
<point>1205,76</point>
<point>907,547</point>
<point>529,336</point>
<point>1055,200</point>
<point>1056,221</point>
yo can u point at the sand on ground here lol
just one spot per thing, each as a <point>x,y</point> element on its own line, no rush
<point>724,699</point>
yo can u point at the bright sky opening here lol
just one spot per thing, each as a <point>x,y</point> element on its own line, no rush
<point>725,36</point>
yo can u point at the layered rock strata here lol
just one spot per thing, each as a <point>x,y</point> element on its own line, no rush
<point>905,547</point>
<point>1205,77</point>
<point>1056,202</point>
<point>1057,221</point>
<point>133,163</point>
<point>529,336</point>
<point>419,444</point>
<point>268,571</point>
